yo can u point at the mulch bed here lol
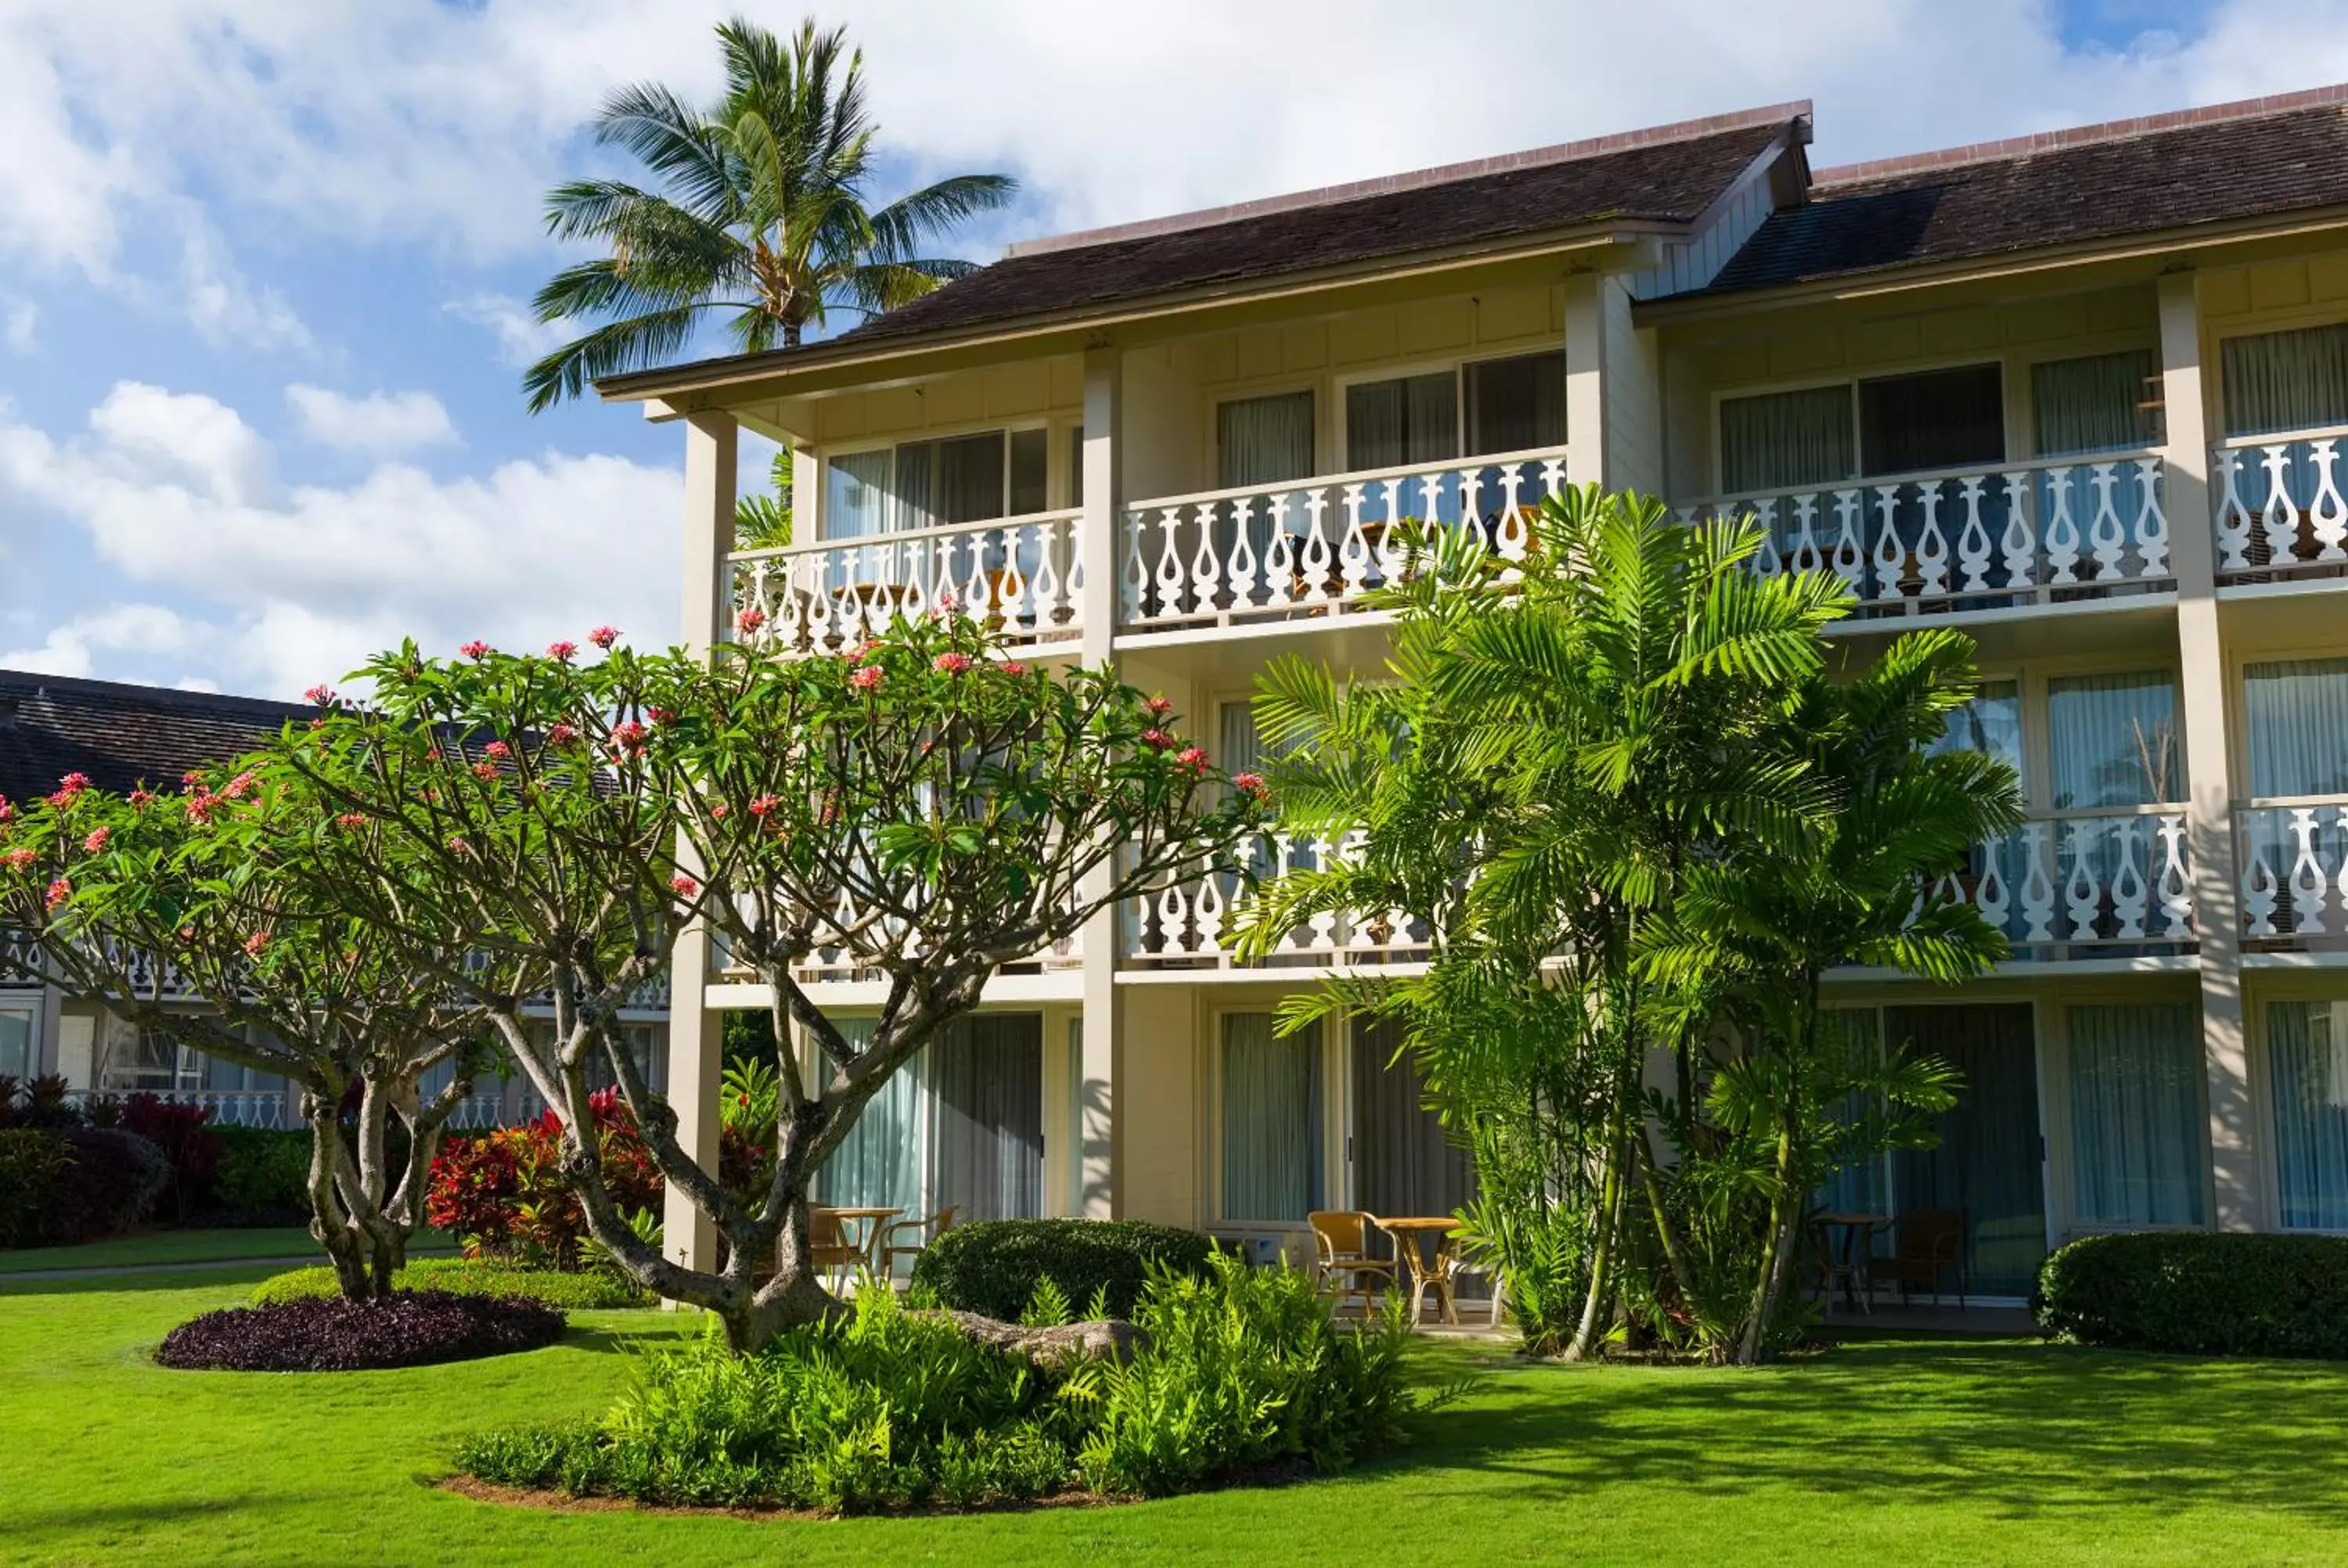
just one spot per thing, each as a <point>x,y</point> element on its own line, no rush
<point>410,1328</point>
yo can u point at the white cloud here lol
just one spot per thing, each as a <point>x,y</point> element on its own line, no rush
<point>522,338</point>
<point>24,322</point>
<point>287,585</point>
<point>380,424</point>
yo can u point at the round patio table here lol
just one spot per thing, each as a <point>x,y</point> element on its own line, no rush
<point>1424,1271</point>
<point>1857,1246</point>
<point>872,1218</point>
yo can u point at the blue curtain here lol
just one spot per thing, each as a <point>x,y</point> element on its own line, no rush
<point>2137,1118</point>
<point>1272,1120</point>
<point>2114,739</point>
<point>2295,712</point>
<point>1864,1188</point>
<point>880,1161</point>
<point>2307,1057</point>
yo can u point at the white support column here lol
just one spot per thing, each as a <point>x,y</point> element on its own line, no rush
<point>2209,825</point>
<point>1585,379</point>
<point>1104,499</point>
<point>696,1035</point>
<point>806,494</point>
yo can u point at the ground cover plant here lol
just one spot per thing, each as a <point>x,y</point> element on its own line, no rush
<point>567,1289</point>
<point>994,1267</point>
<point>892,1407</point>
<point>329,1333</point>
<point>1892,1450</point>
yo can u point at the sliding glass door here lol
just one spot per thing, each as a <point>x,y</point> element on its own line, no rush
<point>1987,1165</point>
<point>1402,1162</point>
<point>961,1124</point>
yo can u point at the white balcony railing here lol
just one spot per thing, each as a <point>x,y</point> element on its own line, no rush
<point>1192,923</point>
<point>1963,539</point>
<point>1025,575</point>
<point>270,1109</point>
<point>2291,855</point>
<point>2102,878</point>
<point>1313,546</point>
<point>2278,506</point>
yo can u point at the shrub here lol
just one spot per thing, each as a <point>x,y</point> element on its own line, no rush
<point>995,1265</point>
<point>115,1179</point>
<point>503,1193</point>
<point>190,1148</point>
<point>413,1329</point>
<point>44,1102</point>
<point>888,1407</point>
<point>34,1165</point>
<point>263,1176</point>
<point>2200,1292</point>
<point>585,1292</point>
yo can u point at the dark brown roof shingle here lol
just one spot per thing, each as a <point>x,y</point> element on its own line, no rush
<point>121,736</point>
<point>2203,171</point>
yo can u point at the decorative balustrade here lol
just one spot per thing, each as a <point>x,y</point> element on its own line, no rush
<point>1190,923</point>
<point>1025,575</point>
<point>271,1109</point>
<point>2102,878</point>
<point>2278,506</point>
<point>1315,547</point>
<point>1963,539</point>
<point>2291,857</point>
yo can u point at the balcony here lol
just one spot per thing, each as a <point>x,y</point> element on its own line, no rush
<point>1192,924</point>
<point>2278,508</point>
<point>1958,541</point>
<point>1023,575</point>
<point>2291,855</point>
<point>1299,549</point>
<point>2085,884</point>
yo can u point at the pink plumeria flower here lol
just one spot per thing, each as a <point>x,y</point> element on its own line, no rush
<point>255,943</point>
<point>686,886</point>
<point>140,799</point>
<point>96,843</point>
<point>951,663</point>
<point>764,803</point>
<point>1158,707</point>
<point>458,847</point>
<point>1193,757</point>
<point>1251,786</point>
<point>322,695</point>
<point>476,649</point>
<point>562,653</point>
<point>350,822</point>
<point>631,736</point>
<point>750,620</point>
<point>498,749</point>
<point>59,891</point>
<point>1013,667</point>
<point>239,787</point>
<point>1157,739</point>
<point>717,813</point>
<point>7,812</point>
<point>561,735</point>
<point>17,860</point>
<point>604,636</point>
<point>486,772</point>
<point>866,677</point>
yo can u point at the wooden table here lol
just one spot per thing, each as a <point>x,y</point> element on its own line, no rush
<point>874,1218</point>
<point>1422,1272</point>
<point>1857,1246</point>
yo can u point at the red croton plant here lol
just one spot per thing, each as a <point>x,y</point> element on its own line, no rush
<point>926,808</point>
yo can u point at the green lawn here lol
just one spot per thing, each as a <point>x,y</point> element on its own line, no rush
<point>188,1246</point>
<point>1888,1451</point>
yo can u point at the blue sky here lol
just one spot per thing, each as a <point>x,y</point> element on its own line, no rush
<point>261,291</point>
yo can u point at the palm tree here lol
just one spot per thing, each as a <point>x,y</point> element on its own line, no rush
<point>763,215</point>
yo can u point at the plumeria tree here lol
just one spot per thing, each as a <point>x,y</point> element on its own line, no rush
<point>925,810</point>
<point>205,913</point>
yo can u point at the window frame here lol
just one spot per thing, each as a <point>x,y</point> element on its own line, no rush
<point>827,455</point>
<point>1457,366</point>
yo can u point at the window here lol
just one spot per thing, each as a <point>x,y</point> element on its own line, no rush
<point>2285,381</point>
<point>1784,440</point>
<point>17,1043</point>
<point>1263,440</point>
<point>2104,403</point>
<point>1272,1120</point>
<point>1512,404</point>
<point>2136,1119</point>
<point>2295,714</point>
<point>1991,723</point>
<point>924,483</point>
<point>2307,1069</point>
<point>1940,419</point>
<point>2112,739</point>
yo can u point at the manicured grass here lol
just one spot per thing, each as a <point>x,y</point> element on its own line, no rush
<point>188,1246</point>
<point>1887,1451</point>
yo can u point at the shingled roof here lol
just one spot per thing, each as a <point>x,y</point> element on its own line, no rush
<point>119,735</point>
<point>2164,172</point>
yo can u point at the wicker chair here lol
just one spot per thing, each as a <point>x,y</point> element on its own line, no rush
<point>1927,1245</point>
<point>923,1231</point>
<point>1343,1264</point>
<point>830,1250</point>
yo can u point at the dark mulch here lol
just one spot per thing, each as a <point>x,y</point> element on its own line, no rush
<point>412,1329</point>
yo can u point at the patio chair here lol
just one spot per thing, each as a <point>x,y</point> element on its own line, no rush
<point>830,1250</point>
<point>1342,1266</point>
<point>923,1231</point>
<point>1927,1245</point>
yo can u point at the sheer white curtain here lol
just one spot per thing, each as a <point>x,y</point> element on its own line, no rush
<point>1272,1120</point>
<point>856,495</point>
<point>879,1162</point>
<point>2295,713</point>
<point>2137,1118</point>
<point>1785,439</point>
<point>2113,739</point>
<point>2307,1059</point>
<point>1263,440</point>
<point>987,1117</point>
<point>2094,404</point>
<point>2286,381</point>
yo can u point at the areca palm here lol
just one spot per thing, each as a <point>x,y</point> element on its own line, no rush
<point>763,217</point>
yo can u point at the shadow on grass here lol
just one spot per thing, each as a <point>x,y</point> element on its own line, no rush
<point>232,1275</point>
<point>2026,1429</point>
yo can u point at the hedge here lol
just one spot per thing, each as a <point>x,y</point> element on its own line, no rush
<point>2200,1292</point>
<point>59,1187</point>
<point>584,1292</point>
<point>993,1266</point>
<point>261,1177</point>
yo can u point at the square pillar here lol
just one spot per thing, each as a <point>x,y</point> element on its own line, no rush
<point>1104,469</point>
<point>696,1035</point>
<point>1585,379</point>
<point>2210,817</point>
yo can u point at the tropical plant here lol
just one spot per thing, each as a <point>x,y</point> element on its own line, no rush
<point>764,215</point>
<point>763,522</point>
